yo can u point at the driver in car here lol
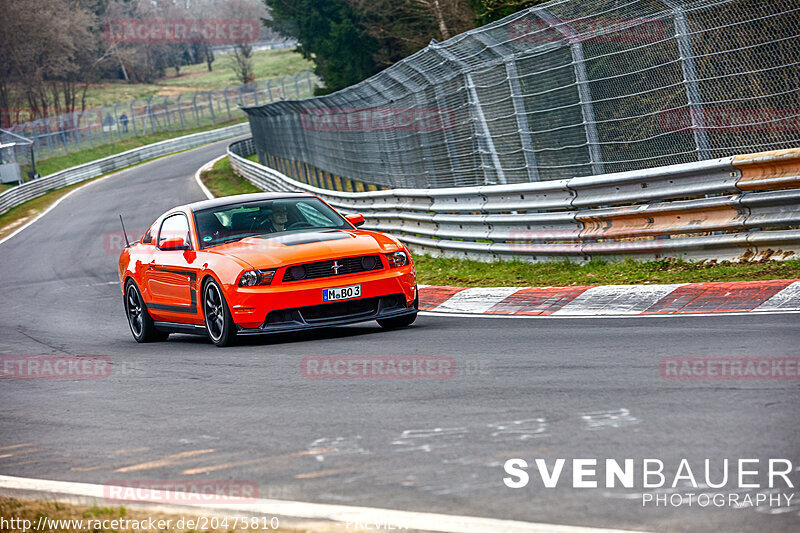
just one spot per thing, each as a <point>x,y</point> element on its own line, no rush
<point>278,218</point>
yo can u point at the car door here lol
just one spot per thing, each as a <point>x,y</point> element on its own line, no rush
<point>171,276</point>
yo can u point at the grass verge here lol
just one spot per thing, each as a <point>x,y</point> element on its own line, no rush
<point>48,166</point>
<point>60,517</point>
<point>467,273</point>
<point>266,64</point>
<point>222,181</point>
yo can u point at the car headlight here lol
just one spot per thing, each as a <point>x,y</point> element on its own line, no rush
<point>251,278</point>
<point>397,259</point>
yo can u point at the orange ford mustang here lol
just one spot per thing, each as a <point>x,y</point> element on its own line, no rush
<point>263,263</point>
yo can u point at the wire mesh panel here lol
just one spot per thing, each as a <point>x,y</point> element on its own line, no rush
<point>61,134</point>
<point>567,88</point>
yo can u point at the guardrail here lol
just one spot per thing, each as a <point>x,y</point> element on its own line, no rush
<point>33,189</point>
<point>741,207</point>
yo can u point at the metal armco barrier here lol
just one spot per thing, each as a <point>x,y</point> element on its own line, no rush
<point>33,189</point>
<point>721,209</point>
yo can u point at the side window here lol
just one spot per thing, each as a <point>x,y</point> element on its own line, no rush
<point>314,216</point>
<point>174,226</point>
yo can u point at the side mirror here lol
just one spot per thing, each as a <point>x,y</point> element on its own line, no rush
<point>356,220</point>
<point>174,243</point>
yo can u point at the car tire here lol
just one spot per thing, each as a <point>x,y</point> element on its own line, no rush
<point>142,326</point>
<point>400,321</point>
<point>219,323</point>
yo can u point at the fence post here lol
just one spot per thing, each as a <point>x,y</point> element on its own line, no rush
<point>194,107</point>
<point>116,122</point>
<point>477,111</point>
<point>133,118</point>
<point>515,89</point>
<point>522,118</point>
<point>227,104</point>
<point>166,112</point>
<point>151,115</point>
<point>103,113</point>
<point>582,81</point>
<point>693,96</point>
<point>180,110</point>
<point>50,143</point>
<point>88,127</point>
<point>211,108</point>
<point>310,84</point>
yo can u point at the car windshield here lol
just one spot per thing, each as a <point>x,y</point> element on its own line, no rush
<point>228,223</point>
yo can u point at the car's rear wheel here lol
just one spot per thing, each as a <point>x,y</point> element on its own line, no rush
<point>219,322</point>
<point>400,321</point>
<point>142,326</point>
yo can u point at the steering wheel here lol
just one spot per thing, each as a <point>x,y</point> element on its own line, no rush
<point>297,225</point>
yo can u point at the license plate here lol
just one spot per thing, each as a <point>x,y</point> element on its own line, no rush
<point>341,293</point>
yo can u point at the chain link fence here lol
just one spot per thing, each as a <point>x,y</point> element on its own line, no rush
<point>57,135</point>
<point>568,88</point>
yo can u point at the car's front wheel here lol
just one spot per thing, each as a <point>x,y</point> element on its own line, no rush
<point>219,322</point>
<point>142,326</point>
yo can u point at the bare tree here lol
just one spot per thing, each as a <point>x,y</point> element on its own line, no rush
<point>245,10</point>
<point>405,26</point>
<point>50,55</point>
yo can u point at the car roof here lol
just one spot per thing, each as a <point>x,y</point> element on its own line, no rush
<point>242,198</point>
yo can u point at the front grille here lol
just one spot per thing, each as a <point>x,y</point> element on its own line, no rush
<point>324,269</point>
<point>340,309</point>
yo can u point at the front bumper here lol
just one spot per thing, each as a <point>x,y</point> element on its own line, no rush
<point>333,314</point>
<point>254,308</point>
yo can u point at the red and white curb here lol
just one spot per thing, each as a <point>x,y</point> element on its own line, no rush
<point>775,296</point>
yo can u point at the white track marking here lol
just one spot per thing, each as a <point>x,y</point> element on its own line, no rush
<point>787,299</point>
<point>476,300</point>
<point>55,204</point>
<point>613,419</point>
<point>521,429</point>
<point>205,167</point>
<point>302,510</point>
<point>617,299</point>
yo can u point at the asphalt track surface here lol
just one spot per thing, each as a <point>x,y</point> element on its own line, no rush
<point>579,388</point>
